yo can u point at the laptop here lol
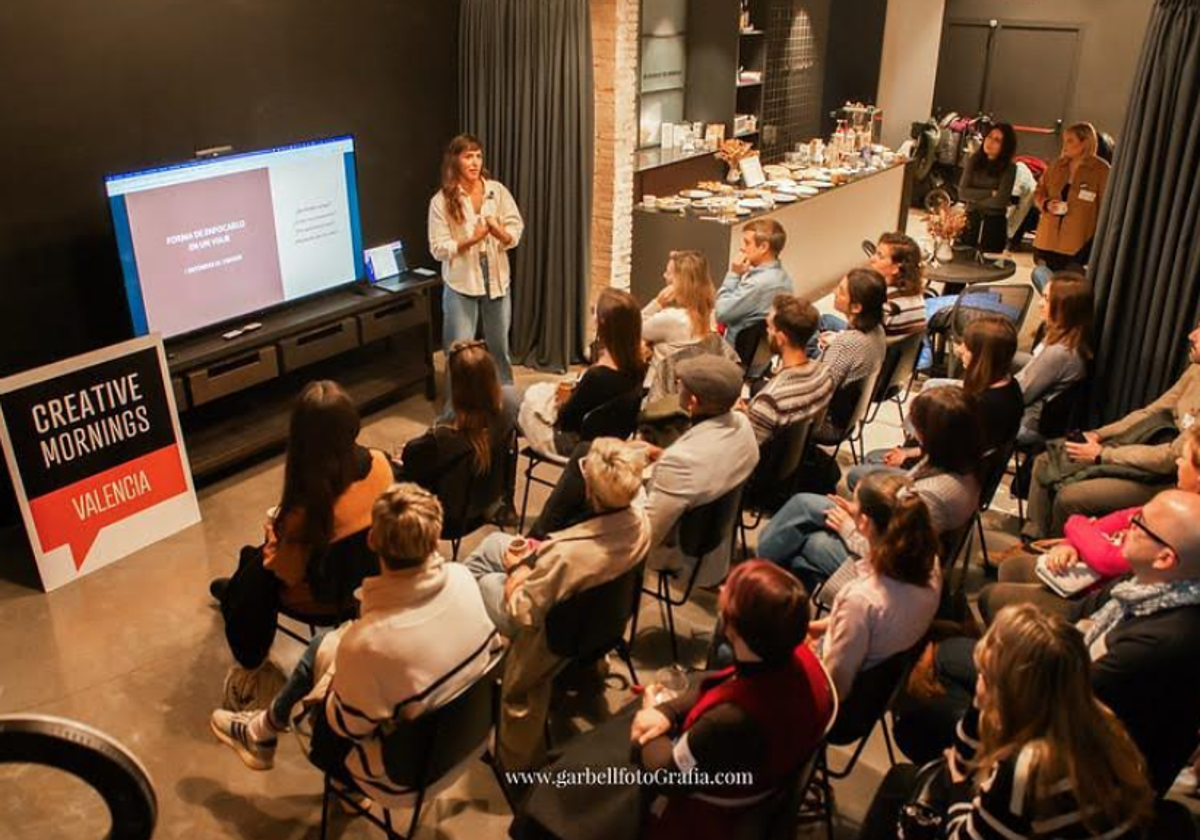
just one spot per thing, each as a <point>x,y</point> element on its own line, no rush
<point>386,265</point>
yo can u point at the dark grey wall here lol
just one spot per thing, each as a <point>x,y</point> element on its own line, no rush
<point>797,36</point>
<point>1111,43</point>
<point>89,88</point>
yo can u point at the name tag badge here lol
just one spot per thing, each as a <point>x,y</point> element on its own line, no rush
<point>1087,195</point>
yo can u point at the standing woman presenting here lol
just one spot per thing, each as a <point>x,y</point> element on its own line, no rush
<point>473,223</point>
<point>1068,197</point>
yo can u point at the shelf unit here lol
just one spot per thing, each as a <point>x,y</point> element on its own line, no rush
<point>718,50</point>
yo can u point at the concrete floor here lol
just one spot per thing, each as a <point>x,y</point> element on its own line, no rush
<point>137,651</point>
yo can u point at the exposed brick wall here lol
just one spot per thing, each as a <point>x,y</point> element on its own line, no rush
<point>614,57</point>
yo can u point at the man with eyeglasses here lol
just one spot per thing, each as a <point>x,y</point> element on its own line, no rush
<point>1143,634</point>
<point>1127,455</point>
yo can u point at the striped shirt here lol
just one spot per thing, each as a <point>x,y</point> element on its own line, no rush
<point>793,395</point>
<point>903,314</point>
<point>1003,806</point>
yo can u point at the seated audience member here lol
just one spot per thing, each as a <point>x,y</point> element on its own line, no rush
<point>480,428</point>
<point>1061,358</point>
<point>552,415</point>
<point>1143,637</point>
<point>986,353</point>
<point>763,717</point>
<point>897,258</point>
<point>888,608</point>
<point>987,187</point>
<point>754,279</point>
<point>1038,754</point>
<point>522,581</point>
<point>1091,543</point>
<point>800,389</point>
<point>423,636</point>
<point>1119,465</point>
<point>682,313</point>
<point>807,536</point>
<point>329,486</point>
<point>854,355</point>
<point>717,454</point>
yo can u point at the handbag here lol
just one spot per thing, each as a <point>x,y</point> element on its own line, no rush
<point>924,814</point>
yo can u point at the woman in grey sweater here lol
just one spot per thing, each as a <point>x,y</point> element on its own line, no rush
<point>986,186</point>
<point>1061,358</point>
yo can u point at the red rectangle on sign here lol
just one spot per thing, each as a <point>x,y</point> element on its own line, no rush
<point>75,515</point>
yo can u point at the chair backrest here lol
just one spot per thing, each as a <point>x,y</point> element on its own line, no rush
<point>1009,300</point>
<point>779,460</point>
<point>849,405</point>
<point>592,622</point>
<point>992,467</point>
<point>615,418</point>
<point>467,496</point>
<point>418,752</point>
<point>90,756</point>
<point>1060,410</point>
<point>950,544</point>
<point>748,340</point>
<point>871,695</point>
<point>703,528</point>
<point>664,378</point>
<point>335,573</point>
<point>898,365</point>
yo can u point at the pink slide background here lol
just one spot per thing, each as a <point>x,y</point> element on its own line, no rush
<point>177,302</point>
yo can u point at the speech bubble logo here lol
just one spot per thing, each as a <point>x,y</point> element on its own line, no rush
<point>76,514</point>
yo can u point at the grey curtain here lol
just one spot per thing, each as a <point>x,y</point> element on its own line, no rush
<point>525,81</point>
<point>1146,261</point>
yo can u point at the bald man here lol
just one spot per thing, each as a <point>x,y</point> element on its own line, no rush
<point>1143,634</point>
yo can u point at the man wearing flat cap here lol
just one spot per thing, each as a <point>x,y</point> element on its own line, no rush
<point>716,455</point>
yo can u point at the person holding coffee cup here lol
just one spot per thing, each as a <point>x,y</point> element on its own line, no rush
<point>1069,196</point>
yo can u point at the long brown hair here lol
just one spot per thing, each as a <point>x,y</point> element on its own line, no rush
<point>1069,313</point>
<point>450,173</point>
<point>322,460</point>
<point>992,341</point>
<point>475,395</point>
<point>867,288</point>
<point>1038,694</point>
<point>619,330</point>
<point>906,546</point>
<point>694,290</point>
<point>946,421</point>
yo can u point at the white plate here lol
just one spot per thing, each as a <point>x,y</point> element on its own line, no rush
<point>819,185</point>
<point>753,203</point>
<point>743,211</point>
<point>695,193</point>
<point>785,198</point>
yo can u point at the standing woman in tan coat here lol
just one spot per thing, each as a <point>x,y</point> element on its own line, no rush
<point>1068,197</point>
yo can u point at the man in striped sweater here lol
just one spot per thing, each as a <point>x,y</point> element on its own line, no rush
<point>423,636</point>
<point>801,388</point>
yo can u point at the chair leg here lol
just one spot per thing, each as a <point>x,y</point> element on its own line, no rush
<point>664,590</point>
<point>325,808</point>
<point>887,740</point>
<point>525,495</point>
<point>987,561</point>
<point>454,544</point>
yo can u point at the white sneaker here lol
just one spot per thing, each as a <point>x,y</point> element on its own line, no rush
<point>254,688</point>
<point>234,729</point>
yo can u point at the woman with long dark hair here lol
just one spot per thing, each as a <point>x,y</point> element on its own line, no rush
<point>987,186</point>
<point>329,486</point>
<point>554,418</point>
<point>856,353</point>
<point>473,224</point>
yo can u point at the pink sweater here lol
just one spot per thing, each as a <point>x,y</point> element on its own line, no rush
<point>1095,540</point>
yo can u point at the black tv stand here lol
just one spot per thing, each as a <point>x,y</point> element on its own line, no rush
<point>235,395</point>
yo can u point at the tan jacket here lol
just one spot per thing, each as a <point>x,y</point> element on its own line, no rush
<point>1182,402</point>
<point>571,561</point>
<point>1068,234</point>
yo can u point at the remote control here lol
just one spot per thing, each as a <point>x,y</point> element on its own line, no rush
<point>232,334</point>
<point>254,326</point>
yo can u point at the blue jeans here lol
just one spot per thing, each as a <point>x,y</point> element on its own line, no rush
<point>299,684</point>
<point>827,323</point>
<point>872,463</point>
<point>1040,277</point>
<point>796,538</point>
<point>461,314</point>
<point>486,563</point>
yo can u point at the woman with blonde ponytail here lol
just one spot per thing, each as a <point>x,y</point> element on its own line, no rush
<point>888,608</point>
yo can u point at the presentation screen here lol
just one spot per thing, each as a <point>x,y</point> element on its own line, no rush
<point>210,240</point>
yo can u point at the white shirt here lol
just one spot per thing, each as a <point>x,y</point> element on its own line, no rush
<point>462,272</point>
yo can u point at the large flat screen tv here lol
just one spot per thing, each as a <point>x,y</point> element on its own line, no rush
<point>208,241</point>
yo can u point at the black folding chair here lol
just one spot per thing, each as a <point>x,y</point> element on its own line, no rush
<point>590,623</point>
<point>895,378</point>
<point>750,341</point>
<point>774,478</point>
<point>92,757</point>
<point>468,497</point>
<point>992,468</point>
<point>420,752</point>
<point>616,418</point>
<point>1059,414</point>
<point>846,411</point>
<point>701,530</point>
<point>336,573</point>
